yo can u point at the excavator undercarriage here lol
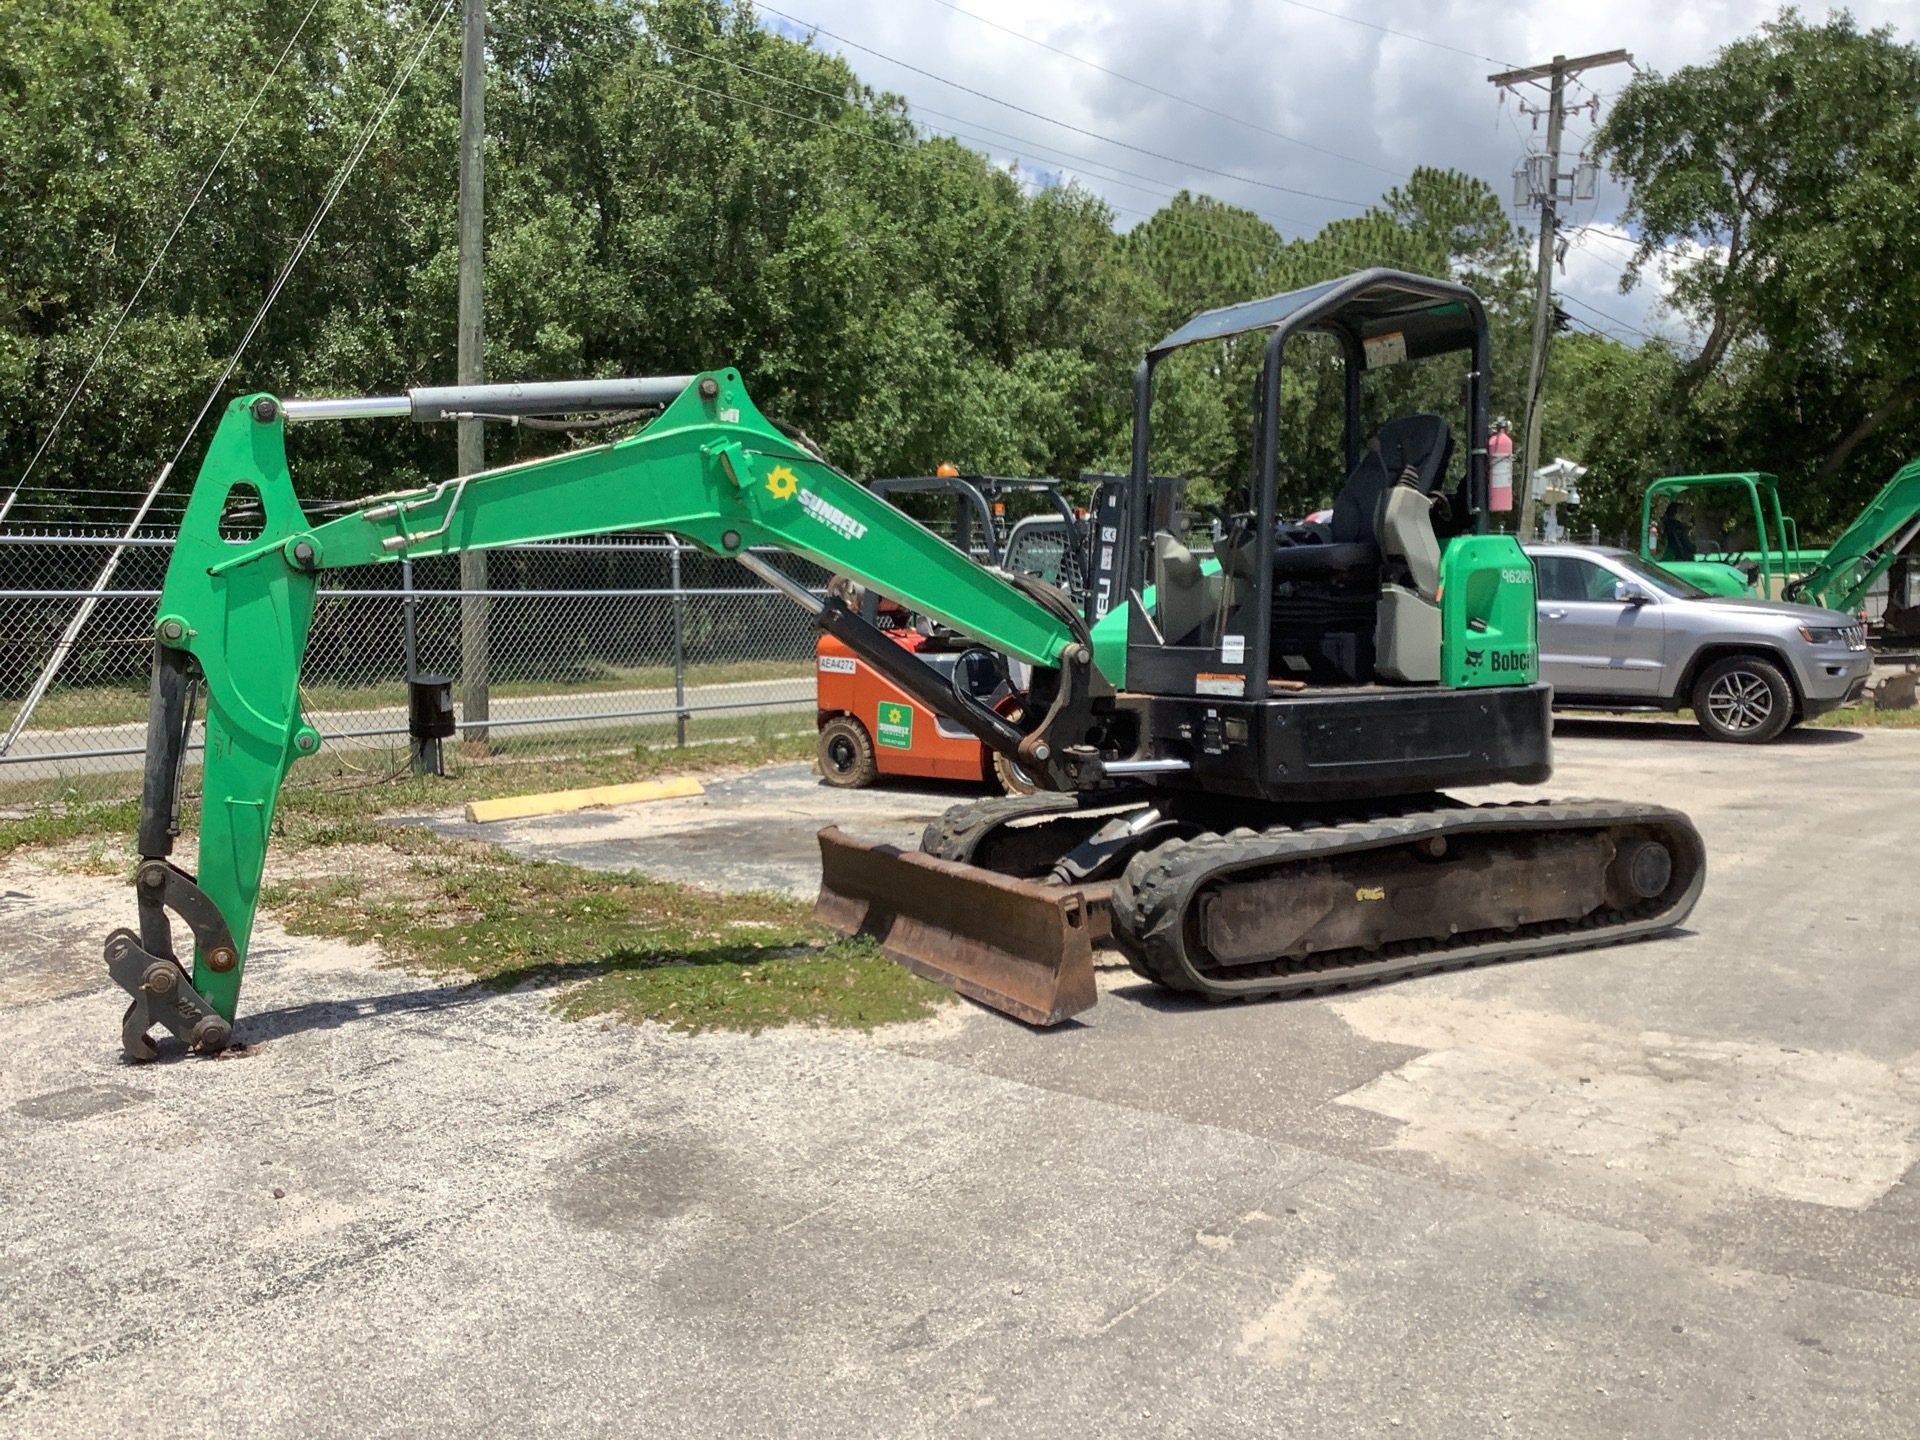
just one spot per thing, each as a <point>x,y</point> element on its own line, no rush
<point>1253,902</point>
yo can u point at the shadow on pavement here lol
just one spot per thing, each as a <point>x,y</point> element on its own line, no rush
<point>258,1027</point>
<point>1179,1002</point>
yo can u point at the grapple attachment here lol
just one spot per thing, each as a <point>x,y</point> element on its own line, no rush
<point>1022,947</point>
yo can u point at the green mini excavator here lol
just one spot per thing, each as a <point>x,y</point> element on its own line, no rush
<point>1243,738</point>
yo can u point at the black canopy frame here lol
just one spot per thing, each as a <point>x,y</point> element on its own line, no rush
<point>1431,317</point>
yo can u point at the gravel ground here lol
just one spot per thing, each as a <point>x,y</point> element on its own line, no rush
<point>1663,1190</point>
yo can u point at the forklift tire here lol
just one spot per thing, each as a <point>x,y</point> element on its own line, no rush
<point>846,754</point>
<point>1013,780</point>
<point>1743,700</point>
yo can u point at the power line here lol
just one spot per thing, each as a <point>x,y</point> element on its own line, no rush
<point>1064,125</point>
<point>1169,94</point>
<point>1584,305</point>
<point>1154,186</point>
<point>161,254</point>
<point>1397,34</point>
<point>1331,247</point>
<point>1587,327</point>
<point>1159,190</point>
<point>1594,232</point>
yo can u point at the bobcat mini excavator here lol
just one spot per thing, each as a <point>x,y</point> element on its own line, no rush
<point>1243,755</point>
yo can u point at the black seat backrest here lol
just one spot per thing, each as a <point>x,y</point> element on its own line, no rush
<point>1424,442</point>
<point>1354,507</point>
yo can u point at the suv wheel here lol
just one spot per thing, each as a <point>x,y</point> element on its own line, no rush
<point>1743,699</point>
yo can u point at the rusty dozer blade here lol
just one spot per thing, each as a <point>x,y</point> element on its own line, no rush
<point>1019,946</point>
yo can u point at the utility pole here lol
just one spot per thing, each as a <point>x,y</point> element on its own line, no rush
<point>1543,187</point>
<point>470,368</point>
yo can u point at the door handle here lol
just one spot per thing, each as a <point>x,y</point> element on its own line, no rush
<point>1556,614</point>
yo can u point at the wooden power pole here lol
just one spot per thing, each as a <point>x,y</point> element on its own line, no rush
<point>469,366</point>
<point>1545,192</point>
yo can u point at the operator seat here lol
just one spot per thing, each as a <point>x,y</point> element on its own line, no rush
<point>1327,593</point>
<point>1415,451</point>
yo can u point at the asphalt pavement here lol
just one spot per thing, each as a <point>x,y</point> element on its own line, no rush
<point>1662,1190</point>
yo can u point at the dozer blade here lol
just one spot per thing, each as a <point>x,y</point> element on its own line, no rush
<point>1022,947</point>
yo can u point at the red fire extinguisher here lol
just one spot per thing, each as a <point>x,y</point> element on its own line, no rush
<point>1500,452</point>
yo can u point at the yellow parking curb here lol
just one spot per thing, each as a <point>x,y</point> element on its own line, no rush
<point>559,802</point>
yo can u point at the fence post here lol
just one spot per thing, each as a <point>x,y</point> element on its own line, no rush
<point>475,659</point>
<point>408,605</point>
<point>679,646</point>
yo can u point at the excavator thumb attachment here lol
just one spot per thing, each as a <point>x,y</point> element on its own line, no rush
<point>1019,946</point>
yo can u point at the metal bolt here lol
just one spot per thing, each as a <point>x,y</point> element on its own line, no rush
<point>730,540</point>
<point>160,979</point>
<point>303,552</point>
<point>304,741</point>
<point>221,959</point>
<point>153,876</point>
<point>172,630</point>
<point>709,388</point>
<point>212,1034</point>
<point>265,409</point>
<point>1041,752</point>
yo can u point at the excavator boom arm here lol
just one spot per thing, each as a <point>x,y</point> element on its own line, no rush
<point>1867,548</point>
<point>234,618</point>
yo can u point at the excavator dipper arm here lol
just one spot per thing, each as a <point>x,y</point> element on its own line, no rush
<point>1867,548</point>
<point>234,618</point>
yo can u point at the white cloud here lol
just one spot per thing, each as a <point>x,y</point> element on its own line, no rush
<point>1380,103</point>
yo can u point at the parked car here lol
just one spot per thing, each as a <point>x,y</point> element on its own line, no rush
<point>1618,632</point>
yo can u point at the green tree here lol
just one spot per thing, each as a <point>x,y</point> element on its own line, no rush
<point>670,187</point>
<point>1789,161</point>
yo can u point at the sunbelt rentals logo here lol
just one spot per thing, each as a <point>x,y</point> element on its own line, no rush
<point>831,515</point>
<point>895,727</point>
<point>783,484</point>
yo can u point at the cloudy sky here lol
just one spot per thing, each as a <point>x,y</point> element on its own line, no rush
<point>1303,110</point>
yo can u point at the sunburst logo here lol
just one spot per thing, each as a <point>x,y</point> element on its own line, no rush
<point>782,482</point>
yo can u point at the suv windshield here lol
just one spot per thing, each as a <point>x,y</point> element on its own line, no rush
<point>1665,581</point>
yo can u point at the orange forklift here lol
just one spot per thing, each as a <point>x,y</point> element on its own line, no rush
<point>868,728</point>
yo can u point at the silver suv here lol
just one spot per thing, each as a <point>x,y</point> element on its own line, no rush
<point>1620,633</point>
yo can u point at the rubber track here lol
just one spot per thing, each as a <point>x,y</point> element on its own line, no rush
<point>1152,898</point>
<point>965,831</point>
<point>958,833</point>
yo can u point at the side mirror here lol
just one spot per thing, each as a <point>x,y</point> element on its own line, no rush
<point>1628,592</point>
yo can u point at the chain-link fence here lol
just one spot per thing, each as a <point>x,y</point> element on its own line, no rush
<point>592,645</point>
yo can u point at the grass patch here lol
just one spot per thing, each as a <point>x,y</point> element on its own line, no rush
<point>1852,717</point>
<point>59,825</point>
<point>318,802</point>
<point>1865,716</point>
<point>620,945</point>
<point>346,796</point>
